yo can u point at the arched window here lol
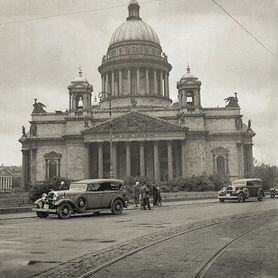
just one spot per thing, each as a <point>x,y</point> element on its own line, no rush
<point>53,164</point>
<point>220,165</point>
<point>190,98</point>
<point>79,102</point>
<point>220,160</point>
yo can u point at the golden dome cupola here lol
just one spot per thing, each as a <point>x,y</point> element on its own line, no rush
<point>135,70</point>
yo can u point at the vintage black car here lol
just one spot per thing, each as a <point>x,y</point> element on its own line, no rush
<point>92,195</point>
<point>242,190</point>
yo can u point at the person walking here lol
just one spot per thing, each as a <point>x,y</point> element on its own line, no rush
<point>145,192</point>
<point>136,193</point>
<point>154,189</point>
<point>159,200</point>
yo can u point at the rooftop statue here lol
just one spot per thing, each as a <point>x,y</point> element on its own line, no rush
<point>38,107</point>
<point>232,101</point>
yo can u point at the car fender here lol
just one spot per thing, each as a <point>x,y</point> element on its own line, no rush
<point>39,202</point>
<point>116,198</point>
<point>246,192</point>
<point>59,202</point>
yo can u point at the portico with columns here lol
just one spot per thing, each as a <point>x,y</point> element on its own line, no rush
<point>156,150</point>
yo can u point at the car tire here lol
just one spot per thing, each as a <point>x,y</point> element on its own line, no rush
<point>81,203</point>
<point>221,200</point>
<point>41,214</point>
<point>260,196</point>
<point>117,207</point>
<point>240,197</point>
<point>64,211</point>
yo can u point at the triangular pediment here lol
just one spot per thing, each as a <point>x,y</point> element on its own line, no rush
<point>136,122</point>
<point>5,172</point>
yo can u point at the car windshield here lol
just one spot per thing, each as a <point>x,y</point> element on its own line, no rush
<point>78,186</point>
<point>238,183</point>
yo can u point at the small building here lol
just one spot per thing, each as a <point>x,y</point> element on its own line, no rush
<point>136,129</point>
<point>10,177</point>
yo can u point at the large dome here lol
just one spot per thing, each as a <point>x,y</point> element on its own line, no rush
<point>134,30</point>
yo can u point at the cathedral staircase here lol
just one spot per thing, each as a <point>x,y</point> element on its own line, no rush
<point>12,202</point>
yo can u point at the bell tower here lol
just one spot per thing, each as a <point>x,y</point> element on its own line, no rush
<point>189,88</point>
<point>80,96</point>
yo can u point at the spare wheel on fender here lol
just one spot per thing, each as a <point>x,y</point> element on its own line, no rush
<point>81,203</point>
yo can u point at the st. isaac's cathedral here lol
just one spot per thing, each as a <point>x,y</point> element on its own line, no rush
<point>136,129</point>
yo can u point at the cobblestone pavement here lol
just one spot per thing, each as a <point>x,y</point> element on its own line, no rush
<point>184,256</point>
<point>83,264</point>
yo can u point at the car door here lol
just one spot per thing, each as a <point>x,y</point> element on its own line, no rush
<point>94,196</point>
<point>251,189</point>
<point>108,194</point>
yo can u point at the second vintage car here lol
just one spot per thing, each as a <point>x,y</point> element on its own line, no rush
<point>92,195</point>
<point>242,190</point>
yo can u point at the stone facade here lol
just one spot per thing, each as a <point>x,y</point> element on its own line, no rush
<point>136,129</point>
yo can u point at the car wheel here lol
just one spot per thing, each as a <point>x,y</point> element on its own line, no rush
<point>240,197</point>
<point>41,214</point>
<point>221,200</point>
<point>64,211</point>
<point>81,203</point>
<point>117,207</point>
<point>260,196</point>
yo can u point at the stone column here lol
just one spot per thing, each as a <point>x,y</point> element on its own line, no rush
<point>155,81</point>
<point>167,85</point>
<point>69,102</point>
<point>114,150</point>
<point>120,82</point>
<point>103,82</point>
<point>213,160</point>
<point>156,161</point>
<point>161,84</point>
<point>227,165</point>
<point>113,83</point>
<point>106,82</point>
<point>128,163</point>
<point>138,81</point>
<point>128,82</point>
<point>170,160</point>
<point>23,170</point>
<point>147,82</point>
<point>251,157</point>
<point>142,159</point>
<point>183,159</point>
<point>100,161</point>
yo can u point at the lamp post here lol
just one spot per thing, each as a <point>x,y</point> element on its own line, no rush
<point>107,95</point>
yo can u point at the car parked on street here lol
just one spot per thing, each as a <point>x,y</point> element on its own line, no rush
<point>92,195</point>
<point>241,190</point>
<point>273,191</point>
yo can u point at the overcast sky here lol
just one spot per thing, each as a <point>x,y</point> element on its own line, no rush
<point>39,58</point>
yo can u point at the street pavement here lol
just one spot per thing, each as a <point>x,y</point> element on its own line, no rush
<point>254,255</point>
<point>33,247</point>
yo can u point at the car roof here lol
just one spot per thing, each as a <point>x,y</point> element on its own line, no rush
<point>99,181</point>
<point>250,179</point>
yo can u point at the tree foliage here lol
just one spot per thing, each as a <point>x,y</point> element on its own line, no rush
<point>268,174</point>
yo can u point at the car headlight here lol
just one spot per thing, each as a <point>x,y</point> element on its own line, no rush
<point>44,196</point>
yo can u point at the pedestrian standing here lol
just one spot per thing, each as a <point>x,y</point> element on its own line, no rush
<point>154,189</point>
<point>145,192</point>
<point>136,193</point>
<point>159,200</point>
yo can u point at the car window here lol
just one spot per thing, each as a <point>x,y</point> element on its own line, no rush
<point>115,186</point>
<point>250,183</point>
<point>106,186</point>
<point>93,187</point>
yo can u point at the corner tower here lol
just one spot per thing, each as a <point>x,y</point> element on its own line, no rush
<point>134,70</point>
<point>189,88</point>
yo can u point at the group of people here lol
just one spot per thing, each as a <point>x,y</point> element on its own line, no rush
<point>141,195</point>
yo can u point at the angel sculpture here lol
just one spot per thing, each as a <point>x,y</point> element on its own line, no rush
<point>38,107</point>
